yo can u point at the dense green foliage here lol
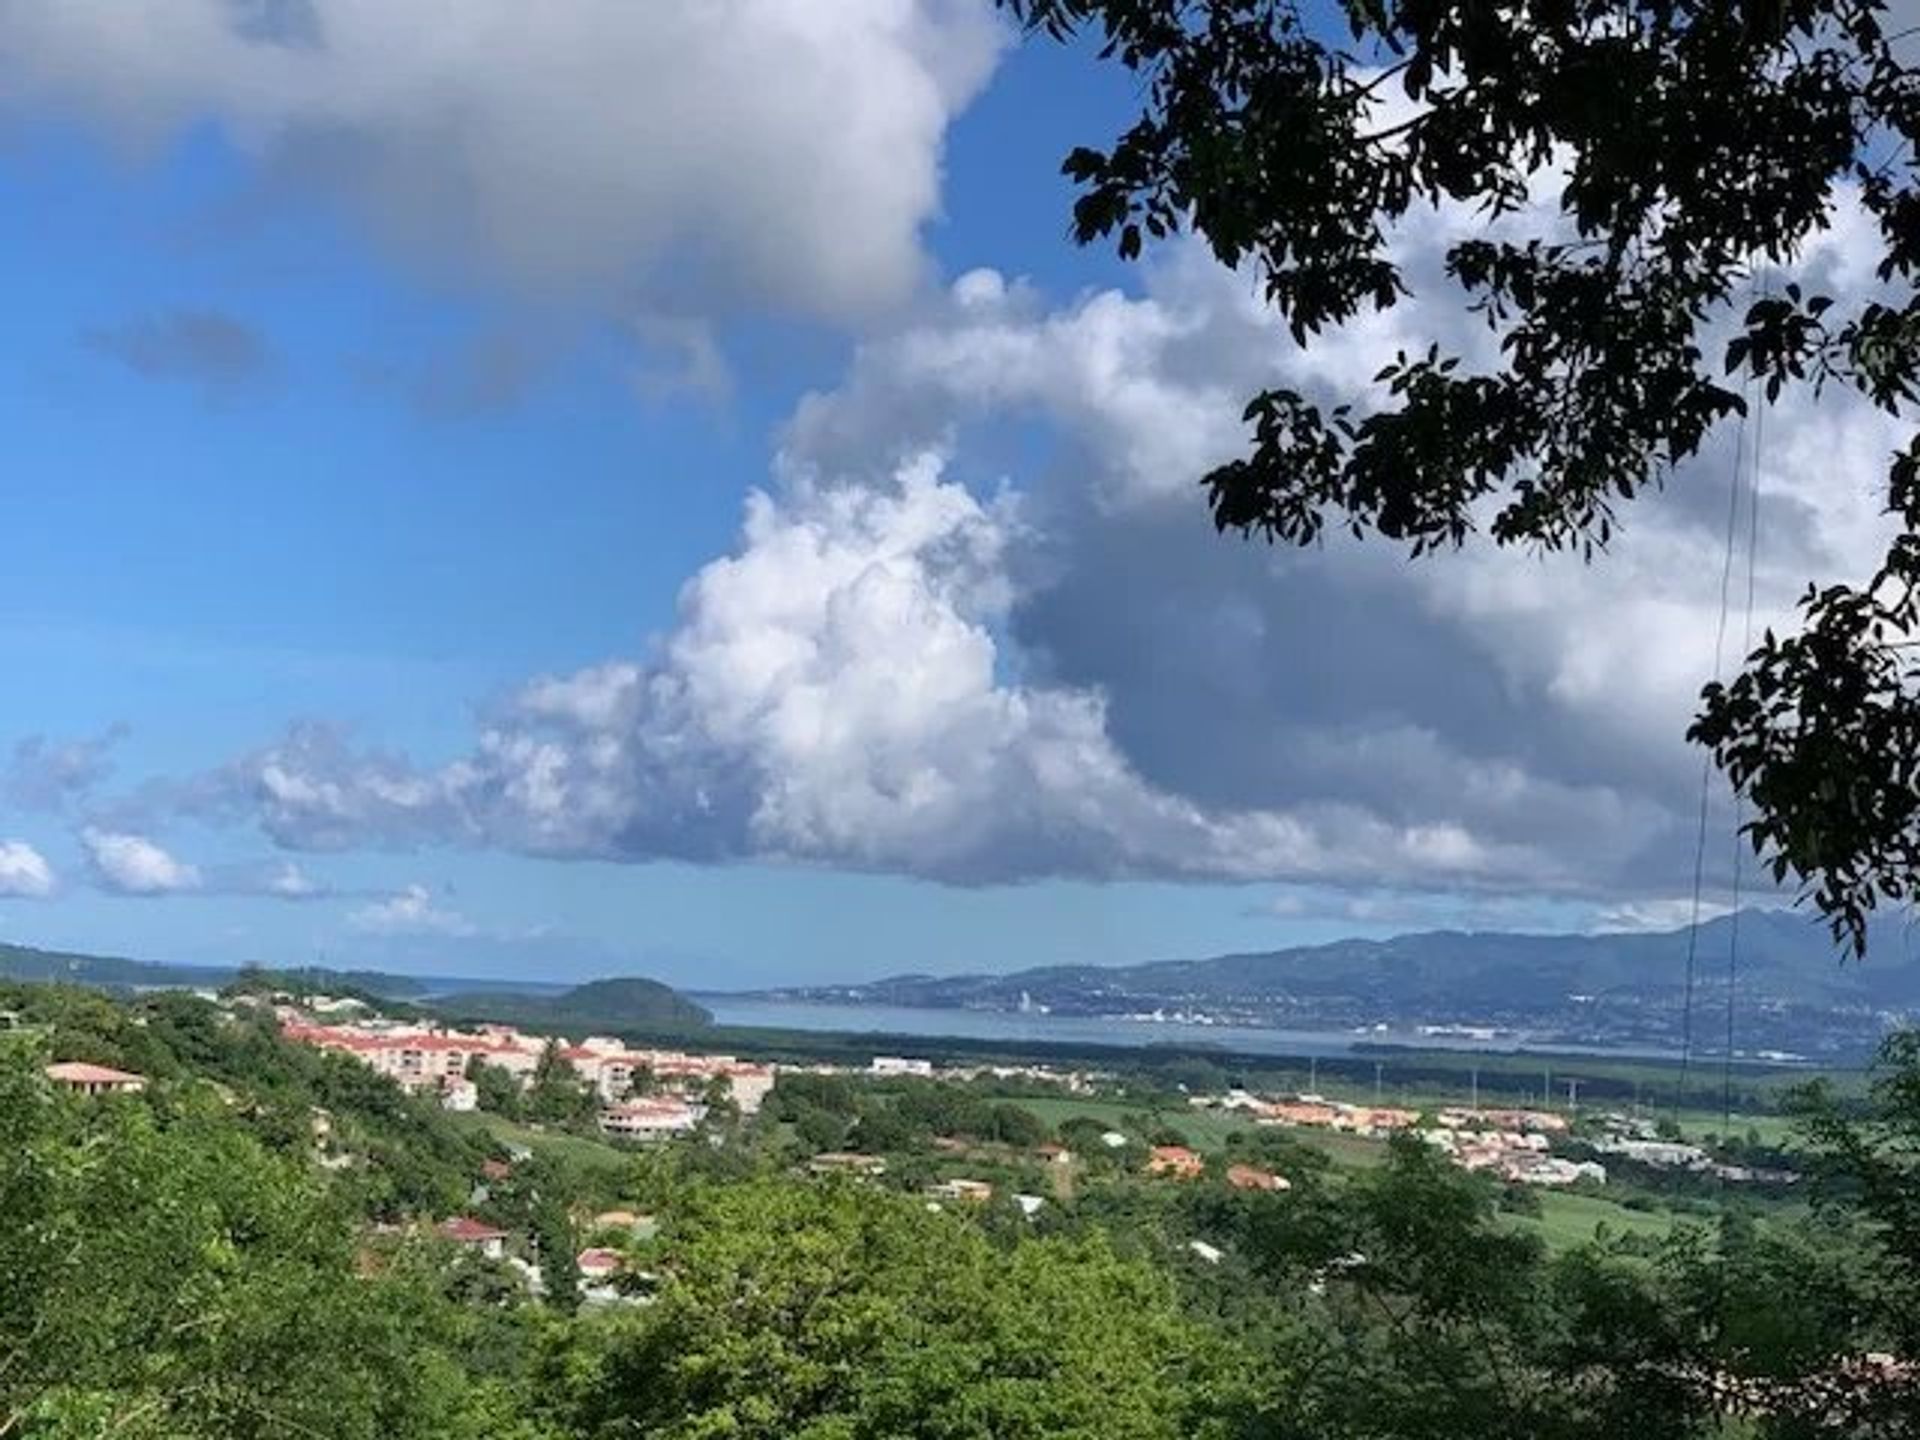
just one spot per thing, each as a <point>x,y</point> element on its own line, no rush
<point>197,1262</point>
<point>837,1311</point>
<point>23,962</point>
<point>164,1274</point>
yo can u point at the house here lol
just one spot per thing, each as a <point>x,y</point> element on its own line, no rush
<point>1388,1118</point>
<point>462,1096</point>
<point>649,1120</point>
<point>1029,1205</point>
<point>495,1171</point>
<point>85,1079</point>
<point>1054,1154</point>
<point>597,1263</point>
<point>845,1162</point>
<point>629,1223</point>
<point>465,1230</point>
<point>1556,1172</point>
<point>1251,1177</point>
<point>976,1192</point>
<point>1175,1160</point>
<point>896,1065</point>
<point>1315,1113</point>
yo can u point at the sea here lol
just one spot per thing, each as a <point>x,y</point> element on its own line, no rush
<point>1033,1026</point>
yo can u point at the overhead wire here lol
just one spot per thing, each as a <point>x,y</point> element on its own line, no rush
<point>1739,796</point>
<point>1706,766</point>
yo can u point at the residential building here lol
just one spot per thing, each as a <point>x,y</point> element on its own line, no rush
<point>435,1058</point>
<point>1667,1154</point>
<point>86,1079</point>
<point>459,1095</point>
<point>1251,1177</point>
<point>597,1263</point>
<point>465,1230</point>
<point>649,1120</point>
<point>845,1162</point>
<point>976,1192</point>
<point>1175,1160</point>
<point>896,1065</point>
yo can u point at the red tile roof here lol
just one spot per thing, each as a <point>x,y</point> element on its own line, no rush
<point>468,1231</point>
<point>1249,1177</point>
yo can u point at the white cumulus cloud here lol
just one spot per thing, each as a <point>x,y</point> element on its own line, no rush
<point>837,691</point>
<point>780,152</point>
<point>134,865</point>
<point>410,911</point>
<point>24,871</point>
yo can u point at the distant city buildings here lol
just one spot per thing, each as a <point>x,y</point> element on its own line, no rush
<point>438,1060</point>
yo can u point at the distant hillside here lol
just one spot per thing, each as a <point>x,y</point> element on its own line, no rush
<point>629,1003</point>
<point>22,962</point>
<point>108,972</point>
<point>1794,990</point>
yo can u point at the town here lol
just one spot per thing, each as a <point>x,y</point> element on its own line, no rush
<point>649,1095</point>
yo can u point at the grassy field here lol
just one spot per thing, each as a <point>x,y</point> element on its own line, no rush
<point>578,1148</point>
<point>1566,1221</point>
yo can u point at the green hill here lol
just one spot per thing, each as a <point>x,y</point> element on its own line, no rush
<point>627,1003</point>
<point>23,962</point>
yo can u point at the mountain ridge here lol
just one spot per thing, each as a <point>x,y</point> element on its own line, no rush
<point>1604,986</point>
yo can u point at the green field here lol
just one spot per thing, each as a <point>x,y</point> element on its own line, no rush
<point>1568,1220</point>
<point>578,1148</point>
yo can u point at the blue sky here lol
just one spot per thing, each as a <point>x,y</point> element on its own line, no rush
<point>300,440</point>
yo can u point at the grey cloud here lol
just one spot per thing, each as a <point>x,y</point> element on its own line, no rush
<point>207,348</point>
<point>48,774</point>
<point>583,149</point>
<point>679,356</point>
<point>484,374</point>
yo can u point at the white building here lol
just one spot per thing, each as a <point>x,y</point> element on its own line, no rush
<point>898,1065</point>
<point>649,1120</point>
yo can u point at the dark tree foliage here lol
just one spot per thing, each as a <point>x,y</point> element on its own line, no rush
<point>1695,144</point>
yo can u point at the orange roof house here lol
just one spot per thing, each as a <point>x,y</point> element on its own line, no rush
<point>1175,1160</point>
<point>85,1079</point>
<point>1250,1177</point>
